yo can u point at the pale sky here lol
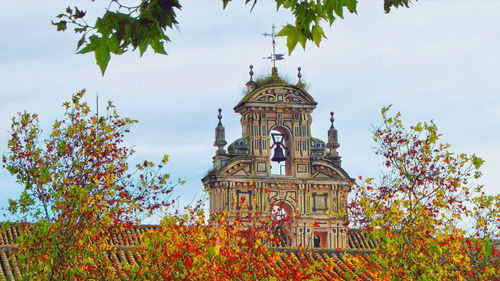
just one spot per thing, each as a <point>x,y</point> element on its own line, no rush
<point>437,60</point>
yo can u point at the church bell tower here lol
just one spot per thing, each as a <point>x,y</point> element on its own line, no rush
<point>277,160</point>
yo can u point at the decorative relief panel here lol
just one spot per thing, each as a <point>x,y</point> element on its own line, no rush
<point>266,97</point>
<point>301,168</point>
<point>320,202</point>
<point>243,200</point>
<point>261,167</point>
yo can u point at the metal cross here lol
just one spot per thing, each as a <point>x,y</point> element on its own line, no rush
<point>274,57</point>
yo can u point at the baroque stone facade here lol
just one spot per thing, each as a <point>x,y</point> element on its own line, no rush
<point>311,186</point>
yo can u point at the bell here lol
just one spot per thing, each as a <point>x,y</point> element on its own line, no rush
<point>278,154</point>
<point>278,150</point>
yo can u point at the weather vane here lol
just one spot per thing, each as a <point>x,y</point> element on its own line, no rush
<point>274,57</point>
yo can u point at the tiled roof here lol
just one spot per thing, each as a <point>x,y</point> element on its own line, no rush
<point>336,270</point>
<point>131,236</point>
<point>358,240</point>
<point>9,236</point>
<point>125,253</point>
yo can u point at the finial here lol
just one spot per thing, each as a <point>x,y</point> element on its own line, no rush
<point>220,116</point>
<point>220,139</point>
<point>333,143</point>
<point>251,84</point>
<point>251,72</point>
<point>299,83</point>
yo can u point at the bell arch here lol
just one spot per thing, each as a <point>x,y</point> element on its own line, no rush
<point>280,128</point>
<point>283,168</point>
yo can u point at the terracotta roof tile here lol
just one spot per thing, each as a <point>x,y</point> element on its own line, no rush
<point>125,253</point>
<point>7,269</point>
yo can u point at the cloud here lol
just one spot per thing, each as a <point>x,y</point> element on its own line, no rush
<point>432,61</point>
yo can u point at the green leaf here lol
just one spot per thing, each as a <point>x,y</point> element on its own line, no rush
<point>351,5</point>
<point>61,26</point>
<point>79,13</point>
<point>279,3</point>
<point>385,109</point>
<point>157,46</point>
<point>477,161</point>
<point>102,57</point>
<point>317,33</point>
<point>80,29</point>
<point>292,36</point>
<point>44,175</point>
<point>302,40</point>
<point>80,42</point>
<point>339,10</point>
<point>12,206</point>
<point>113,46</point>
<point>143,47</point>
<point>394,3</point>
<point>95,41</point>
<point>224,3</point>
<point>103,24</point>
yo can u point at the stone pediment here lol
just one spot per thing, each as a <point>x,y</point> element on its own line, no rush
<point>277,94</point>
<point>321,175</point>
<point>240,172</point>
<point>326,170</point>
<point>236,168</point>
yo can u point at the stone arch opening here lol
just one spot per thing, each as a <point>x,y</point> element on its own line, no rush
<point>281,213</point>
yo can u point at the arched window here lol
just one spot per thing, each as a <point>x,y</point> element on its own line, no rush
<point>281,213</point>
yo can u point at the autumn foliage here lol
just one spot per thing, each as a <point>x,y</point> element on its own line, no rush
<point>428,217</point>
<point>187,247</point>
<point>76,187</point>
<point>418,214</point>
